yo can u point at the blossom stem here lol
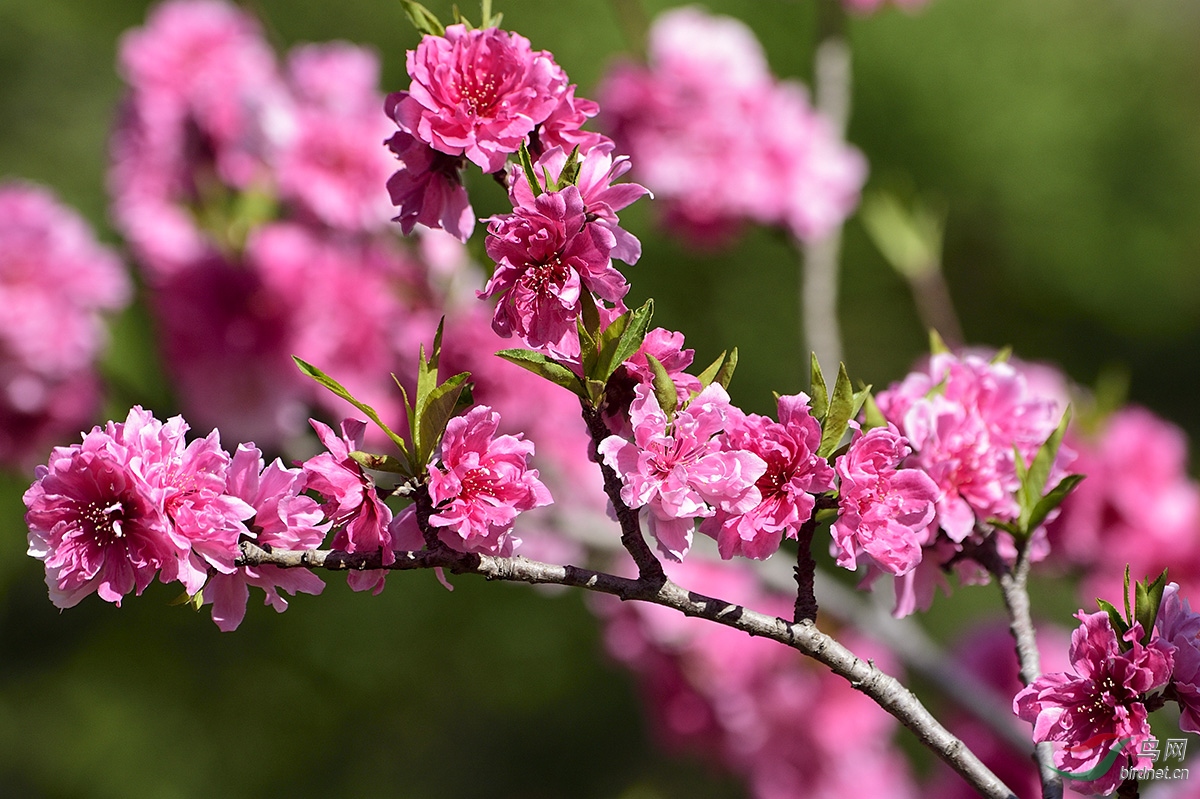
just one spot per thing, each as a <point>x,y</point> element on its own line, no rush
<point>819,283</point>
<point>806,568</point>
<point>803,636</point>
<point>631,527</point>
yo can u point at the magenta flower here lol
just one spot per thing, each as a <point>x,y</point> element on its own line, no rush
<point>478,93</point>
<point>546,255</point>
<point>351,502</point>
<point>676,469</point>
<point>428,189</point>
<point>794,475</point>
<point>883,510</point>
<point>94,523</point>
<point>285,519</point>
<point>1100,703</point>
<point>563,128</point>
<point>482,483</point>
<point>1179,625</point>
<point>667,348</point>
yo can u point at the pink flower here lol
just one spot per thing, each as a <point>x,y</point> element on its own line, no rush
<point>563,128</point>
<point>794,474</point>
<point>546,255</point>
<point>283,518</point>
<point>428,189</point>
<point>1179,625</point>
<point>601,198</point>
<point>351,502</point>
<point>478,93</point>
<point>676,470</point>
<point>1099,703</point>
<point>667,349</point>
<point>94,523</point>
<point>883,510</point>
<point>482,483</point>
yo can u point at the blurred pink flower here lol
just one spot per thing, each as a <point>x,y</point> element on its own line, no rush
<point>1179,625</point>
<point>482,483</point>
<point>478,93</point>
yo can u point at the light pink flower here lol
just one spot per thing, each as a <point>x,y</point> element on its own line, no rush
<point>883,509</point>
<point>676,470</point>
<point>667,348</point>
<point>351,503</point>
<point>794,475</point>
<point>1099,702</point>
<point>482,483</point>
<point>478,93</point>
<point>285,519</point>
<point>546,256</point>
<point>95,524</point>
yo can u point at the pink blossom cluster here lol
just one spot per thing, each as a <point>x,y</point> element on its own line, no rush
<point>1138,505</point>
<point>56,281</point>
<point>967,419</point>
<point>720,140</point>
<point>135,500</point>
<point>785,725</point>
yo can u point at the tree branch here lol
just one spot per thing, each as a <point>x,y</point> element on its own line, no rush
<point>804,636</point>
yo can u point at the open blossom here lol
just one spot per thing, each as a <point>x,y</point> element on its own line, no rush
<point>667,348</point>
<point>546,255</point>
<point>482,483</point>
<point>1179,625</point>
<point>677,471</point>
<point>1099,703</point>
<point>564,127</point>
<point>283,518</point>
<point>359,516</point>
<point>478,93</point>
<point>427,189</point>
<point>794,475</point>
<point>883,509</point>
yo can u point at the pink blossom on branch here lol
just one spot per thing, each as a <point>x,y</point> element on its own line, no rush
<point>478,93</point>
<point>481,483</point>
<point>676,470</point>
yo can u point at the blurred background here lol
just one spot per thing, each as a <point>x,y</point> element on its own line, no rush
<point>1061,137</point>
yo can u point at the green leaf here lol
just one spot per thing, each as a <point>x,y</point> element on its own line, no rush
<point>874,417</point>
<point>1114,616</point>
<point>530,174</point>
<point>423,19</point>
<point>1145,607</point>
<point>378,463</point>
<point>936,345</point>
<point>630,339</point>
<point>595,392</point>
<point>860,398</point>
<point>570,171</point>
<point>1125,594</point>
<point>1002,356</point>
<point>708,375</point>
<point>841,410</point>
<point>725,373</point>
<point>606,346</point>
<point>1052,500</point>
<point>486,17</point>
<point>820,394</point>
<point>439,409</point>
<point>664,387</point>
<point>539,364</point>
<point>1033,480</point>
<point>339,390</point>
<point>589,356</point>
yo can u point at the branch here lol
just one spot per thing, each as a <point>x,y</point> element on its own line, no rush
<point>804,636</point>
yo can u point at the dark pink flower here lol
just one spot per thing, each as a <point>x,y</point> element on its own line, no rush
<point>676,469</point>
<point>95,523</point>
<point>1179,625</point>
<point>1100,702</point>
<point>428,189</point>
<point>667,348</point>
<point>794,475</point>
<point>563,128</point>
<point>546,256</point>
<point>481,483</point>
<point>283,518</point>
<point>883,509</point>
<point>351,503</point>
<point>478,93</point>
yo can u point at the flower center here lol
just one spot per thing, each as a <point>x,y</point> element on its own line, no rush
<point>540,276</point>
<point>478,481</point>
<point>106,521</point>
<point>479,95</point>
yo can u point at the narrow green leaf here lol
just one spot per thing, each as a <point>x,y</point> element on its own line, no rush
<point>539,364</point>
<point>860,398</point>
<point>590,314</point>
<point>1033,482</point>
<point>589,356</point>
<point>841,411</point>
<point>1009,526</point>
<point>874,417</point>
<point>1052,500</point>
<point>664,387</point>
<point>439,409</point>
<point>459,19</point>
<point>570,172</point>
<point>708,375</point>
<point>339,390</point>
<point>725,373</point>
<point>1145,607</point>
<point>936,345</point>
<point>1114,616</point>
<point>1002,356</point>
<point>530,174</point>
<point>606,346</point>
<point>1125,594</point>
<point>427,372</point>
<point>632,337</point>
<point>820,394</point>
<point>594,392</point>
<point>423,19</point>
<point>378,463</point>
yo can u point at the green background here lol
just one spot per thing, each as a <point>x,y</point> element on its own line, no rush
<point>1062,137</point>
